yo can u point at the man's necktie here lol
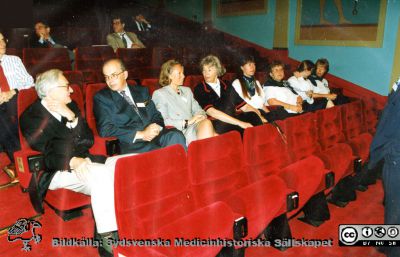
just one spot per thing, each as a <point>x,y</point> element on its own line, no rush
<point>142,26</point>
<point>131,103</point>
<point>48,43</point>
<point>124,40</point>
<point>4,86</point>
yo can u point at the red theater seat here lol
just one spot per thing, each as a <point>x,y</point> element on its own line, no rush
<point>75,77</point>
<point>302,141</point>
<point>265,154</point>
<point>92,57</point>
<point>37,60</point>
<point>192,81</point>
<point>102,145</point>
<point>216,172</point>
<point>229,76</point>
<point>354,129</point>
<point>370,111</point>
<point>331,139</point>
<point>158,203</point>
<point>151,84</point>
<point>66,203</point>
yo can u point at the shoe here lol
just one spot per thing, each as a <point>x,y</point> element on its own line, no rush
<point>10,171</point>
<point>107,241</point>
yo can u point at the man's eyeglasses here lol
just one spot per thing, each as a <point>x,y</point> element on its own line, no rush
<point>67,87</point>
<point>112,76</point>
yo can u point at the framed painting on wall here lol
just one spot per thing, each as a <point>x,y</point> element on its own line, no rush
<point>241,7</point>
<point>340,22</point>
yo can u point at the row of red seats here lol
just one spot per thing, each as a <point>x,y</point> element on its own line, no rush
<point>140,62</point>
<point>252,178</point>
<point>238,175</point>
<point>352,118</point>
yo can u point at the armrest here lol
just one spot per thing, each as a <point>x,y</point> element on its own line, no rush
<point>105,146</point>
<point>28,160</point>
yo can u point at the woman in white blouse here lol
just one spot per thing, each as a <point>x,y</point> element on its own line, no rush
<point>178,106</point>
<point>302,85</point>
<point>249,89</point>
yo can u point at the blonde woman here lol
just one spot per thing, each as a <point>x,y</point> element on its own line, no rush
<point>221,102</point>
<point>177,105</point>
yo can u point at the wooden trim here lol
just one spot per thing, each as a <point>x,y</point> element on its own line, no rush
<point>281,24</point>
<point>396,59</point>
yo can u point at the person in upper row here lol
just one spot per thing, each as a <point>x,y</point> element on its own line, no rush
<point>221,102</point>
<point>122,39</point>
<point>249,89</point>
<point>178,106</point>
<point>44,39</point>
<point>321,87</point>
<point>279,92</point>
<point>302,85</point>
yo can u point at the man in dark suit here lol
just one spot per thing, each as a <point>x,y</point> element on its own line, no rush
<point>386,146</point>
<point>128,113</point>
<point>44,39</point>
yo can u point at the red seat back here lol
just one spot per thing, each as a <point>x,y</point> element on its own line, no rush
<point>352,119</point>
<point>329,122</point>
<point>265,152</point>
<point>192,81</point>
<point>38,60</point>
<point>75,77</point>
<point>26,97</point>
<point>151,190</point>
<point>90,91</point>
<point>216,168</point>
<point>92,57</point>
<point>370,111</point>
<point>229,76</point>
<point>151,84</point>
<point>135,58</point>
<point>301,135</point>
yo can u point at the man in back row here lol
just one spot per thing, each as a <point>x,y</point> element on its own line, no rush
<point>122,39</point>
<point>128,113</point>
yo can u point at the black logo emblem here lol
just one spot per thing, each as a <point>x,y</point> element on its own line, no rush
<point>25,230</point>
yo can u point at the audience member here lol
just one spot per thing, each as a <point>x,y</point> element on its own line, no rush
<point>279,92</point>
<point>122,39</point>
<point>177,105</point>
<point>13,77</point>
<point>140,23</point>
<point>321,87</point>
<point>128,113</point>
<point>220,100</point>
<point>249,89</point>
<point>44,39</point>
<point>54,126</point>
<point>302,85</point>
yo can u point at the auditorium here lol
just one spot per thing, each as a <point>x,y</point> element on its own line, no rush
<point>200,128</point>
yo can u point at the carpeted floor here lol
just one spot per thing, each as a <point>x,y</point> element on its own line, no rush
<point>367,209</point>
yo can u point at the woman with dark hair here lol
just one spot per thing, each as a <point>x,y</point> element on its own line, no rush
<point>221,102</point>
<point>177,105</point>
<point>249,89</point>
<point>278,92</point>
<point>302,85</point>
<point>321,87</point>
